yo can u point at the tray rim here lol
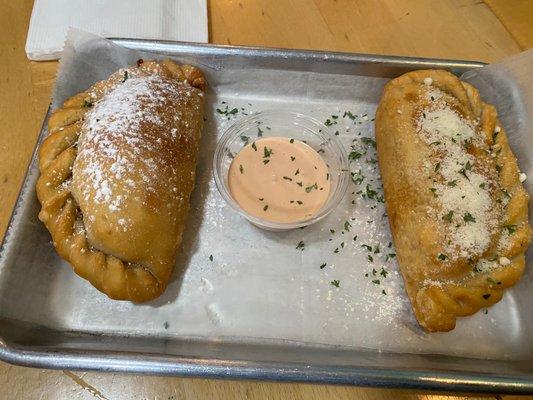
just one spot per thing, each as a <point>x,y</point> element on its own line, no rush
<point>173,365</point>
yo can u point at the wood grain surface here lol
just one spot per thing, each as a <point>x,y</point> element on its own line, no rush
<point>461,29</point>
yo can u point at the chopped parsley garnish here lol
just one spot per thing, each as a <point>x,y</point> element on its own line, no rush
<point>383,272</point>
<point>87,104</point>
<point>494,136</point>
<point>241,168</point>
<point>342,245</point>
<point>322,266</point>
<point>265,207</point>
<point>297,172</point>
<point>370,193</point>
<point>336,250</point>
<point>376,281</point>
<point>327,176</point>
<point>287,178</point>
<point>357,177</point>
<point>510,228</point>
<point>468,217</point>
<point>267,152</point>
<point>125,77</point>
<point>300,245</point>
<point>442,257</point>
<point>347,226</point>
<point>245,139</point>
<point>299,202</point>
<point>370,258</point>
<point>309,188</point>
<point>434,191</point>
<point>437,167</point>
<point>369,141</point>
<point>383,292</point>
<point>448,217</point>
<point>452,183</point>
<point>354,155</point>
<point>436,143</point>
<point>336,283</point>
<point>349,115</point>
<point>259,132</point>
<point>266,161</point>
<point>498,168</point>
<point>482,185</point>
<point>366,246</point>
<point>211,257</point>
<point>376,249</point>
<point>293,158</point>
<point>329,122</point>
<point>291,141</point>
<point>227,112</point>
<point>389,256</point>
<point>254,146</point>
<point>332,230</point>
<point>355,238</point>
<point>506,193</point>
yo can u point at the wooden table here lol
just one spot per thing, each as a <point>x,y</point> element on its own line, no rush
<point>461,29</point>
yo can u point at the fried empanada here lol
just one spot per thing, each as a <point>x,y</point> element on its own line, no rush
<point>117,171</point>
<point>454,198</point>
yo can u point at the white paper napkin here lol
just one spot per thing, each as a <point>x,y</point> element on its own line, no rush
<point>184,20</point>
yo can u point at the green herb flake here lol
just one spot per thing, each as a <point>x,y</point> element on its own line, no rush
<point>293,158</point>
<point>369,141</point>
<point>299,202</point>
<point>347,226</point>
<point>370,258</point>
<point>437,167</point>
<point>452,183</point>
<point>267,152</point>
<point>241,168</point>
<point>309,188</point>
<point>254,146</point>
<point>354,155</point>
<point>510,228</point>
<point>448,217</point>
<point>442,257</point>
<point>287,178</point>
<point>266,161</point>
<point>366,246</point>
<point>482,185</point>
<point>211,257</point>
<point>87,104</point>
<point>265,207</point>
<point>468,217</point>
<point>297,172</point>
<point>383,272</point>
<point>300,245</point>
<point>336,283</point>
<point>322,266</point>
<point>291,141</point>
<point>376,281</point>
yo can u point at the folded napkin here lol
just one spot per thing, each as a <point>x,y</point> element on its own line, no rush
<point>184,20</point>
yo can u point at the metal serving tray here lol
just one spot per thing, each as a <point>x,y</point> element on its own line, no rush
<point>44,307</point>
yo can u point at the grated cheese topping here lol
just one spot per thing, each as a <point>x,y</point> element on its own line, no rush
<point>460,182</point>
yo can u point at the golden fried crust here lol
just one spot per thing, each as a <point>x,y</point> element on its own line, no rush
<point>115,187</point>
<point>441,289</point>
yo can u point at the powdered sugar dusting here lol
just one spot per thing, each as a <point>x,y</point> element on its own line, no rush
<point>124,136</point>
